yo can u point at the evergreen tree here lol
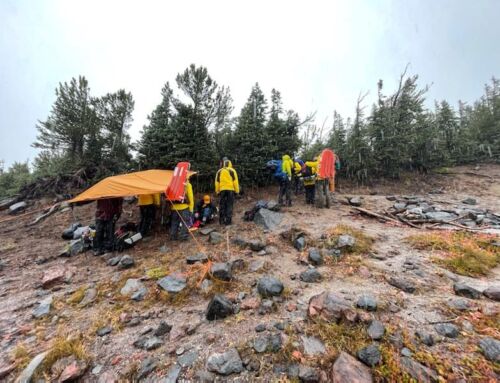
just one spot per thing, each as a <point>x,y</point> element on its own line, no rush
<point>337,137</point>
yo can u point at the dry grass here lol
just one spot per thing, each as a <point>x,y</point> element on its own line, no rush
<point>77,296</point>
<point>464,253</point>
<point>362,245</point>
<point>63,346</point>
<point>21,356</point>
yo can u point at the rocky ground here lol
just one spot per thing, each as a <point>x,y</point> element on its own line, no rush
<point>326,295</point>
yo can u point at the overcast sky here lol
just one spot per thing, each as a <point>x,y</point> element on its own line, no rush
<point>319,54</point>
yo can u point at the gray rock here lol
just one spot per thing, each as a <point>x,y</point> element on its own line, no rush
<point>399,206</point>
<point>490,348</point>
<point>187,359</point>
<point>162,329</point>
<point>17,207</point>
<point>204,377</point>
<point>345,240</point>
<point>134,289</point>
<point>225,363</point>
<point>355,201</point>
<point>347,369</point>
<point>466,291</point>
<point>148,343</point>
<point>425,337</point>
<point>492,292</point>
<point>268,219</point>
<point>195,258</point>
<point>315,257</point>
<point>257,265</point>
<point>27,373</point>
<point>206,230</point>
<point>469,201</point>
<point>300,243</point>
<point>173,283</point>
<point>261,343</point>
<point>219,307</point>
<point>447,329</point>
<point>440,216</point>
<point>311,275</point>
<point>417,371</point>
<point>7,202</point>
<point>172,374</point>
<point>43,308</point>
<point>376,330</point>
<point>89,297</point>
<point>266,307</point>
<point>406,352</point>
<point>312,346</point>
<point>275,342</point>
<point>260,327</point>
<point>147,366</point>
<point>114,261</point>
<point>370,355</point>
<point>222,271</point>
<point>460,304</point>
<point>206,286</point>
<point>308,374</point>
<point>403,284</point>
<point>104,331</point>
<point>127,262</point>
<point>215,238</point>
<point>256,245</point>
<point>367,302</point>
<point>269,286</point>
<point>391,198</point>
<point>273,206</point>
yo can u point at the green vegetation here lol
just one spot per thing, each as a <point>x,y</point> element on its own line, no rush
<point>464,253</point>
<point>362,245</point>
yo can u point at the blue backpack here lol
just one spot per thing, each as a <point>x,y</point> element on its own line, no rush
<point>277,167</point>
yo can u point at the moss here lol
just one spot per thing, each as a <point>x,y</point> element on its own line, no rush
<point>156,273</point>
<point>77,296</point>
<point>471,254</point>
<point>362,245</point>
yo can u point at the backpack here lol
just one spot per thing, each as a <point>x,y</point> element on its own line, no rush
<point>308,172</point>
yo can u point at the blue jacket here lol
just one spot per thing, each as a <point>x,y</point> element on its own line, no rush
<point>276,165</point>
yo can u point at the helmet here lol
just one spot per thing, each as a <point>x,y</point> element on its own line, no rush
<point>206,198</point>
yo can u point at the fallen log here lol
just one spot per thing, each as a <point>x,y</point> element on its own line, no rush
<point>51,211</point>
<point>405,221</point>
<point>373,214</point>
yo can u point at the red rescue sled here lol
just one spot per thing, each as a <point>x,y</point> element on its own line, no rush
<point>176,189</point>
<point>327,164</point>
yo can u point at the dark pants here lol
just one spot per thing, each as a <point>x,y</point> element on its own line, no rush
<point>310,191</point>
<point>322,198</point>
<point>178,221</point>
<point>104,235</point>
<point>297,184</point>
<point>147,218</point>
<point>285,191</point>
<point>206,215</point>
<point>226,207</point>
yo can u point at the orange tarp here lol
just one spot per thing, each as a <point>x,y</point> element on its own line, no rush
<point>126,185</point>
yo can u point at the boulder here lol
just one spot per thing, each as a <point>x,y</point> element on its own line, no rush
<point>222,271</point>
<point>469,201</point>
<point>308,374</point>
<point>315,257</point>
<point>7,202</point>
<point>215,238</point>
<point>114,260</point>
<point>370,355</point>
<point>148,343</point>
<point>399,206</point>
<point>225,363</point>
<point>162,329</point>
<point>440,216</point>
<point>173,283</point>
<point>404,284</point>
<point>418,371</point>
<point>492,292</point>
<point>195,258</point>
<point>466,291</point>
<point>187,359</point>
<point>330,307</point>
<point>256,245</point>
<point>447,329</point>
<point>260,344</point>
<point>219,307</point>
<point>312,346</point>
<point>425,337</point>
<point>126,262</point>
<point>376,330</point>
<point>43,308</point>
<point>300,243</point>
<point>347,369</point>
<point>355,201</point>
<point>311,275</point>
<point>257,265</point>
<point>367,302</point>
<point>268,219</point>
<point>490,348</point>
<point>345,240</point>
<point>269,286</point>
<point>18,207</point>
<point>53,276</point>
<point>134,289</point>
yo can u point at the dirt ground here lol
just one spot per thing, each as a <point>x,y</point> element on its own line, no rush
<point>27,252</point>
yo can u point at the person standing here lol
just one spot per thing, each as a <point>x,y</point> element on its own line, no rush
<point>298,169</point>
<point>226,186</point>
<point>181,214</point>
<point>147,204</point>
<point>286,181</point>
<point>309,178</point>
<point>107,213</point>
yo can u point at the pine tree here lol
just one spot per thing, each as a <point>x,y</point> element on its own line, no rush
<point>337,137</point>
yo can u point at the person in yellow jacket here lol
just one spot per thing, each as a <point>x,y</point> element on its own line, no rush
<point>309,178</point>
<point>286,180</point>
<point>182,212</point>
<point>226,186</point>
<point>147,204</point>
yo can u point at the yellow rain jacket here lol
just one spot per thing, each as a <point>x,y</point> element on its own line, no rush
<point>287,165</point>
<point>297,168</point>
<point>314,169</point>
<point>188,199</point>
<point>148,199</point>
<point>227,179</point>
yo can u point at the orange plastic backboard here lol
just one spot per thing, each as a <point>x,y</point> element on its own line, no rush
<point>176,189</point>
<point>327,164</point>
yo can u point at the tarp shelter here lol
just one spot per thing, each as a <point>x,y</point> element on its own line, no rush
<point>127,185</point>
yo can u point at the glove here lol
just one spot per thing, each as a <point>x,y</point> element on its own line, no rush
<point>289,178</point>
